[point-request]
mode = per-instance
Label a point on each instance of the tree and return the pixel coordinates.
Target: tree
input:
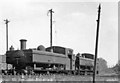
(116, 68)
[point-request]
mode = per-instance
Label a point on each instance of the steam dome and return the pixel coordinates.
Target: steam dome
(41, 48)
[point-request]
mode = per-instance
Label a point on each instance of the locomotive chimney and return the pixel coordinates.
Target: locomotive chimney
(23, 44)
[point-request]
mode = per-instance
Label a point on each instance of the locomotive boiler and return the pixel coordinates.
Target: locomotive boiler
(55, 59)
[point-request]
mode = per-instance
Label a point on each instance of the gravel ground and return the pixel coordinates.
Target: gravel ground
(57, 78)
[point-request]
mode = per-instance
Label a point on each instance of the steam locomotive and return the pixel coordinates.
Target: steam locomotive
(55, 59)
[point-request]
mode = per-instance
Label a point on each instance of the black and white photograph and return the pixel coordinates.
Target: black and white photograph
(59, 41)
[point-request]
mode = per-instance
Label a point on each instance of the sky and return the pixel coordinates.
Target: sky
(74, 25)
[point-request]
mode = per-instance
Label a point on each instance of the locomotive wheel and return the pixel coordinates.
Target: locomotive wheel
(29, 70)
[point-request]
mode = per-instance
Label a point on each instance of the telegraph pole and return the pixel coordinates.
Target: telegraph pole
(51, 12)
(96, 46)
(6, 22)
